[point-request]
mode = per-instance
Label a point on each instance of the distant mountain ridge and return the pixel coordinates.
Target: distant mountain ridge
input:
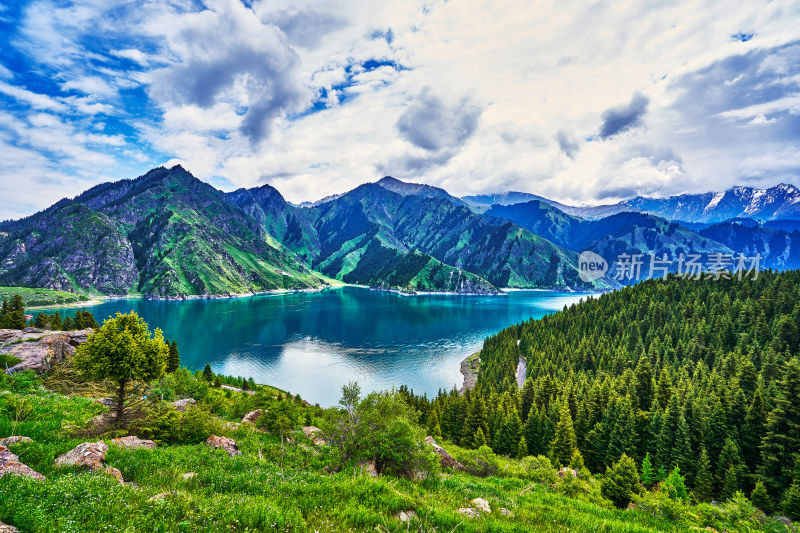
(167, 234)
(781, 202)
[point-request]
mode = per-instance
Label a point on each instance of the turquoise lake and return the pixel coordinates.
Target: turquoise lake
(313, 343)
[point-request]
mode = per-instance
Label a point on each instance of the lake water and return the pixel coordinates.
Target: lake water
(313, 343)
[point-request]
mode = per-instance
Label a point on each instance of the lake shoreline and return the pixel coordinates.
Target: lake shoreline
(470, 367)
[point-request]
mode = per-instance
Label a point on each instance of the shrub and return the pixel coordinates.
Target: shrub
(539, 469)
(621, 481)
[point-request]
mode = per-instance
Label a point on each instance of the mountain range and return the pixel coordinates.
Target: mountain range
(168, 234)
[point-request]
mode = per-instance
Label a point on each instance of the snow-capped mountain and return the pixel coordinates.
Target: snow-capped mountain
(781, 202)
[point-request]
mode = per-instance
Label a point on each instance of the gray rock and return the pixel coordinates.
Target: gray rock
(40, 350)
(5, 528)
(90, 456)
(132, 442)
(481, 505)
(11, 441)
(445, 458)
(229, 445)
(9, 464)
(405, 516)
(252, 416)
(469, 512)
(181, 405)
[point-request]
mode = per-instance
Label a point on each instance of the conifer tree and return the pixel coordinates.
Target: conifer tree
(703, 480)
(433, 428)
(479, 439)
(731, 483)
(174, 358)
(791, 501)
(15, 316)
(782, 437)
(729, 459)
(528, 396)
(621, 482)
(55, 322)
(753, 430)
(208, 374)
(648, 474)
(476, 419)
(760, 498)
(522, 448)
(564, 443)
(509, 435)
(41, 321)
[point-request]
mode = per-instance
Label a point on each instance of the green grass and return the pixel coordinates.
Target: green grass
(42, 297)
(268, 488)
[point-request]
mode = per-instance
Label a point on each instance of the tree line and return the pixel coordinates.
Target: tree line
(700, 378)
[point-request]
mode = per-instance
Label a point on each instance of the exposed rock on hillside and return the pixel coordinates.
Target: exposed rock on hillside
(40, 349)
(90, 456)
(9, 464)
(132, 442)
(229, 445)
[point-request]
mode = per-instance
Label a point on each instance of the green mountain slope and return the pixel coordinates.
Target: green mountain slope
(165, 234)
(346, 236)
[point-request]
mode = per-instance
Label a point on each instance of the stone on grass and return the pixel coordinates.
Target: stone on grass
(5, 528)
(90, 456)
(445, 458)
(189, 475)
(229, 445)
(405, 516)
(469, 512)
(505, 512)
(11, 441)
(132, 442)
(9, 464)
(314, 434)
(182, 405)
(252, 416)
(481, 505)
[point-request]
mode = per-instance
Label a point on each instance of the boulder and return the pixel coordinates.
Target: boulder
(38, 349)
(566, 471)
(445, 458)
(252, 416)
(368, 467)
(132, 442)
(5, 528)
(314, 434)
(182, 405)
(90, 456)
(229, 445)
(506, 512)
(108, 402)
(469, 512)
(189, 475)
(9, 464)
(481, 505)
(87, 455)
(11, 441)
(405, 516)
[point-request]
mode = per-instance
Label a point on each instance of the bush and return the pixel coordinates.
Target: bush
(539, 469)
(621, 482)
(381, 427)
(482, 462)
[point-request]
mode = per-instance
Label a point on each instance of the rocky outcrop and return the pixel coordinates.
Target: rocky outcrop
(11, 441)
(229, 445)
(5, 528)
(89, 456)
(314, 434)
(481, 505)
(252, 416)
(445, 458)
(182, 405)
(405, 516)
(9, 464)
(132, 442)
(39, 349)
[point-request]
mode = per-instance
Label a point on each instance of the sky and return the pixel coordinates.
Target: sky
(578, 101)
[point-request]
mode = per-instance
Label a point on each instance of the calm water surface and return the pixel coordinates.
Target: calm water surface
(313, 343)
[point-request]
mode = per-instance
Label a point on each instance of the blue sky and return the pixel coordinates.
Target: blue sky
(579, 101)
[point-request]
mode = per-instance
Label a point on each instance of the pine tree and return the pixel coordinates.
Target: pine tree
(729, 459)
(476, 419)
(782, 438)
(41, 321)
(479, 439)
(564, 444)
(15, 317)
(208, 374)
(522, 448)
(55, 322)
(675, 486)
(753, 430)
(730, 485)
(576, 461)
(791, 501)
(644, 384)
(621, 482)
(433, 428)
(760, 498)
(648, 474)
(174, 359)
(703, 481)
(528, 395)
(509, 435)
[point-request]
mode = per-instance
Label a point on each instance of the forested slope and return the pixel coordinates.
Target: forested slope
(702, 375)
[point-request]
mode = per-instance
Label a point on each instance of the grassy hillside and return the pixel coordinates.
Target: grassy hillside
(42, 297)
(275, 485)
